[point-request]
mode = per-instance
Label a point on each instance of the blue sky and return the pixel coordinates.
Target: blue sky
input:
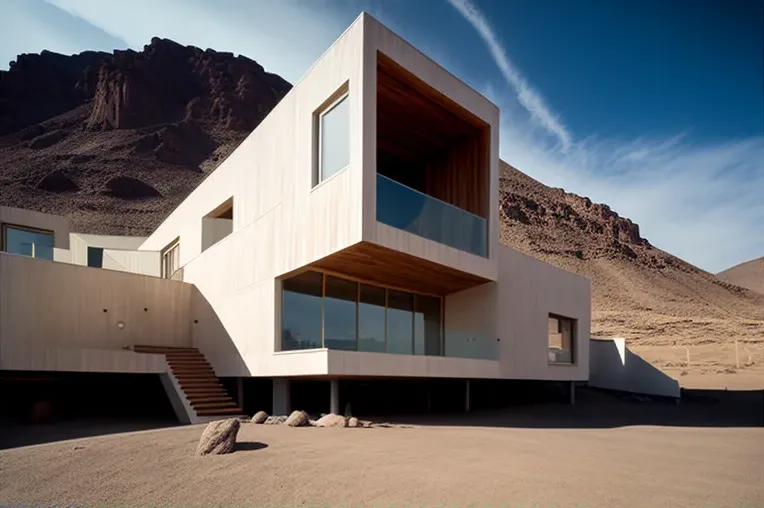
(655, 108)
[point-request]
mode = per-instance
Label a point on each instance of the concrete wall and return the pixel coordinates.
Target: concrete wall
(57, 224)
(143, 262)
(280, 221)
(44, 304)
(527, 292)
(615, 367)
(379, 38)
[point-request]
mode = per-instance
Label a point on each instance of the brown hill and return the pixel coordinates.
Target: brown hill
(116, 141)
(748, 275)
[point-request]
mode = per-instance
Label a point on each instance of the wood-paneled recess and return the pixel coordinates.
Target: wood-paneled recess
(428, 142)
(376, 264)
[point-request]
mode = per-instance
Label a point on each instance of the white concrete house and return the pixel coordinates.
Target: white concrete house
(353, 235)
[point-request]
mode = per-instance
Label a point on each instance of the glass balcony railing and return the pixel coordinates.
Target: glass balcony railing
(410, 210)
(466, 344)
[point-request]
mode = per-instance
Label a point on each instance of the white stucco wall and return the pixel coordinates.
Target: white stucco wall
(143, 262)
(615, 367)
(79, 243)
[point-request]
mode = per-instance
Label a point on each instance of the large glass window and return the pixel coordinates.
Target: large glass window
(561, 339)
(427, 325)
(301, 312)
(28, 242)
(371, 319)
(340, 313)
(400, 322)
(322, 310)
(334, 139)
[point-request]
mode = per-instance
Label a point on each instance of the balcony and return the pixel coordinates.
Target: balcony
(407, 209)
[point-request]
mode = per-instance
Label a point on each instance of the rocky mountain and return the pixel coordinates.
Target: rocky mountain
(117, 140)
(639, 291)
(748, 275)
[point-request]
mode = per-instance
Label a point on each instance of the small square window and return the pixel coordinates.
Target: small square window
(333, 139)
(562, 333)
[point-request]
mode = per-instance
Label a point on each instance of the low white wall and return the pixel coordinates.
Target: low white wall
(615, 367)
(44, 304)
(79, 243)
(143, 262)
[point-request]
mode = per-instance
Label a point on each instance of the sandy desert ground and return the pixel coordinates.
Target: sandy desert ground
(554, 455)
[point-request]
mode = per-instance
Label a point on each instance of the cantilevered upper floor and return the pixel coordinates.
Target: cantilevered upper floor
(378, 164)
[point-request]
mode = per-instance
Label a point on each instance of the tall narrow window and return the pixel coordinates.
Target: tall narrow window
(334, 139)
(561, 339)
(400, 322)
(371, 319)
(340, 318)
(301, 312)
(31, 242)
(171, 259)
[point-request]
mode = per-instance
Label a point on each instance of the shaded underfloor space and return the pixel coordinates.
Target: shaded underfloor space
(598, 409)
(39, 407)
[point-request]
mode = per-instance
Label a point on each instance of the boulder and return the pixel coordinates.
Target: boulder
(331, 420)
(353, 422)
(260, 417)
(297, 419)
(219, 437)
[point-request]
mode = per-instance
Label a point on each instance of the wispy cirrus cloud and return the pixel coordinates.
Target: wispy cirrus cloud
(526, 95)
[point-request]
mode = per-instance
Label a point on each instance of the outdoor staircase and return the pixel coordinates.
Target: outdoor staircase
(194, 377)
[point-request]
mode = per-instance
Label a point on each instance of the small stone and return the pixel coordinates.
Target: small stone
(331, 420)
(219, 437)
(275, 420)
(353, 422)
(260, 417)
(297, 419)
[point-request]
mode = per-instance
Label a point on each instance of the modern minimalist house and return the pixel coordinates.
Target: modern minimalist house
(352, 237)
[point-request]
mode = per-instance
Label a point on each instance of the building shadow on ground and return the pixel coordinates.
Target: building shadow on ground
(602, 409)
(14, 434)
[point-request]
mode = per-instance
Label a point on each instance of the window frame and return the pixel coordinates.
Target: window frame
(318, 174)
(360, 281)
(573, 339)
(175, 244)
(5, 226)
